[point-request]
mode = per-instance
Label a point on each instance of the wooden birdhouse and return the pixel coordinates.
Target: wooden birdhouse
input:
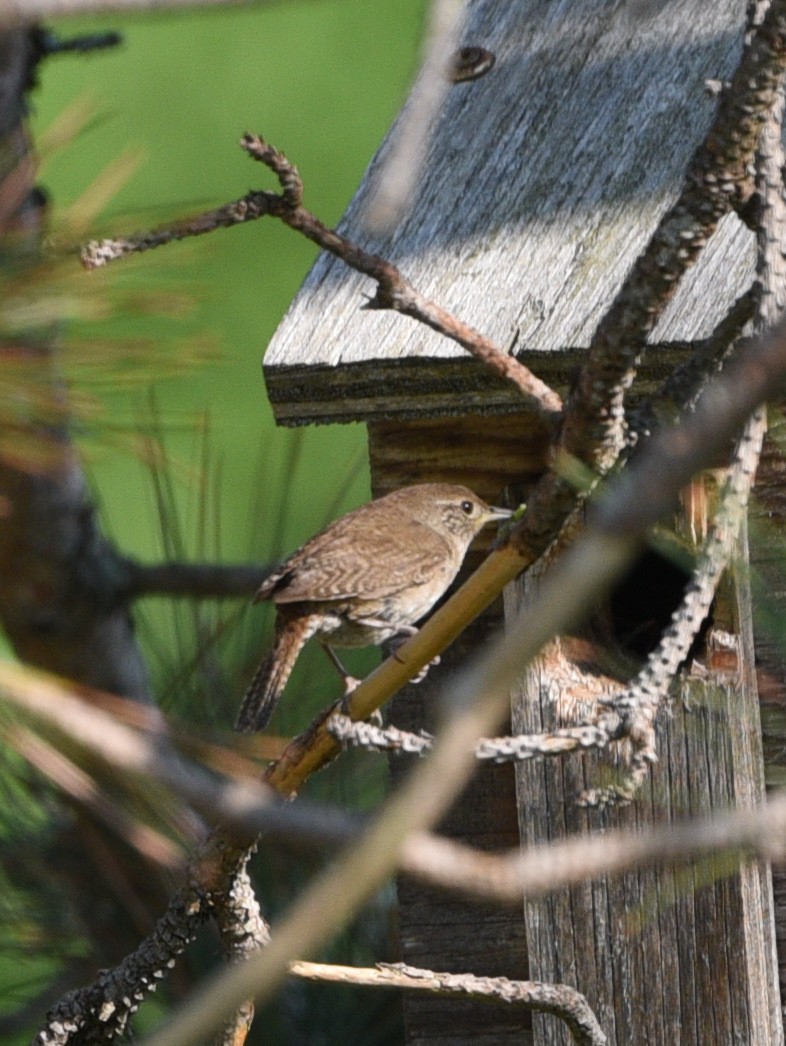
(542, 182)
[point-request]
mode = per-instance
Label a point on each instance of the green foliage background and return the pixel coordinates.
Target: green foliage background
(321, 80)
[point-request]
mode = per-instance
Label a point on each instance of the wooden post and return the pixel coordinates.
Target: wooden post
(543, 181)
(437, 932)
(768, 520)
(680, 957)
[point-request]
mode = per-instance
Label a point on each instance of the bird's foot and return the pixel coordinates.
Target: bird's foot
(424, 670)
(352, 684)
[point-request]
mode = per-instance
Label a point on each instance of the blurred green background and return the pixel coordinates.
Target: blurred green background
(322, 81)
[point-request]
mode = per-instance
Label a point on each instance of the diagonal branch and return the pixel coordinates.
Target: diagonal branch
(639, 497)
(105, 1006)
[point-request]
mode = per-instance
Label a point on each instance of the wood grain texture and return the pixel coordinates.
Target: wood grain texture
(545, 179)
(768, 567)
(665, 956)
(435, 930)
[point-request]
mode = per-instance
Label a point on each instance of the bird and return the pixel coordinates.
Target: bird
(366, 578)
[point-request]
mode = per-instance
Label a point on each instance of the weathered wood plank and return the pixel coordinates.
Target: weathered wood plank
(437, 931)
(768, 564)
(688, 955)
(544, 180)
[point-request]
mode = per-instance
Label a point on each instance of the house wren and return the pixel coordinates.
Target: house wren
(364, 579)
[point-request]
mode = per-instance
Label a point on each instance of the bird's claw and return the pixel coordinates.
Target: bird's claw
(425, 669)
(376, 716)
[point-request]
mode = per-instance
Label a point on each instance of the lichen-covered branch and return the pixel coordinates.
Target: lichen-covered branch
(100, 1012)
(594, 734)
(560, 1000)
(638, 705)
(243, 931)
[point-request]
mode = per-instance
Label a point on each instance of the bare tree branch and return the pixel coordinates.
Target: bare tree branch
(393, 290)
(450, 865)
(194, 580)
(400, 172)
(640, 496)
(558, 999)
(507, 878)
(24, 12)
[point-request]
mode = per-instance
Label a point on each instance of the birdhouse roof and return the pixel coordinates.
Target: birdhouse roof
(542, 182)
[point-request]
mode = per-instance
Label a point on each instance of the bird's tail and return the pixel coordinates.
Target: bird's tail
(271, 677)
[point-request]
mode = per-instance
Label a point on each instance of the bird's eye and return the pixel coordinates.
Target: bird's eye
(467, 507)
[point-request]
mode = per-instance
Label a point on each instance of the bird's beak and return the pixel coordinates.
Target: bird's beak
(495, 512)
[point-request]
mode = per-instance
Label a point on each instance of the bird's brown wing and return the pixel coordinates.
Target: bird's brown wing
(346, 561)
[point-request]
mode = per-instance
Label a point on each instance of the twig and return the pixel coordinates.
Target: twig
(400, 171)
(770, 284)
(580, 737)
(194, 580)
(558, 999)
(475, 702)
(23, 12)
(393, 290)
(361, 734)
(756, 833)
